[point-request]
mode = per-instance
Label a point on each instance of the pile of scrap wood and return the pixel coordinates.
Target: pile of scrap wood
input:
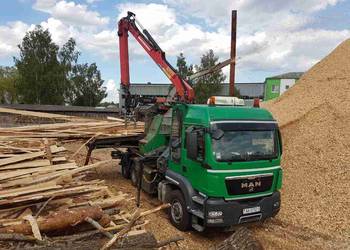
(71, 130)
(44, 195)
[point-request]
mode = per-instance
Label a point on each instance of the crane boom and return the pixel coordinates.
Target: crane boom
(129, 23)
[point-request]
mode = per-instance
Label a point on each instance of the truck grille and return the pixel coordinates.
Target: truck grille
(248, 184)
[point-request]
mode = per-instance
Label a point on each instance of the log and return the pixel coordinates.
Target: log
(173, 239)
(16, 237)
(57, 221)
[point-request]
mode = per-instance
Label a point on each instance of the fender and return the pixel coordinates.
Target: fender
(184, 185)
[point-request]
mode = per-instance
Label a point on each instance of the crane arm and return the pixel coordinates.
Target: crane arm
(128, 24)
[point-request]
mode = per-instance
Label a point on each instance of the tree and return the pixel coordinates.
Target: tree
(50, 75)
(41, 79)
(182, 68)
(211, 84)
(68, 57)
(8, 78)
(86, 85)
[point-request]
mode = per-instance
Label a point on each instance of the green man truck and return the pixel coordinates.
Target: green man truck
(217, 164)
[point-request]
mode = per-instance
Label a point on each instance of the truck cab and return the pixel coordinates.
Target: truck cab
(219, 165)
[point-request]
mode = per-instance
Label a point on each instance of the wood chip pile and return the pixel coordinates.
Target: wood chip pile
(315, 119)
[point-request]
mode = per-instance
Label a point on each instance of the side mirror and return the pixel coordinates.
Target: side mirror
(217, 134)
(192, 145)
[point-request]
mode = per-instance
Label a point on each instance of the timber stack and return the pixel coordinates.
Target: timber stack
(47, 200)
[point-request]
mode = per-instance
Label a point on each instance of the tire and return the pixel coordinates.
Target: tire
(126, 163)
(178, 214)
(134, 175)
(241, 239)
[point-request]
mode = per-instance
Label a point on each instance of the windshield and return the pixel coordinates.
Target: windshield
(245, 146)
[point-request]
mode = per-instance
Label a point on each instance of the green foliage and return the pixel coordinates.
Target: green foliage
(87, 87)
(208, 85)
(50, 75)
(41, 80)
(8, 78)
(182, 68)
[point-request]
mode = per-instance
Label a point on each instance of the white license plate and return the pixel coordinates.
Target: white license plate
(251, 210)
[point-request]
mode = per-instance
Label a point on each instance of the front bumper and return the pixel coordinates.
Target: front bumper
(232, 211)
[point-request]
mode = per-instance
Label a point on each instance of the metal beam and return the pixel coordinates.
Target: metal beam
(233, 52)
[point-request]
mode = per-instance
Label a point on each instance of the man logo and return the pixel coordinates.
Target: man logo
(251, 185)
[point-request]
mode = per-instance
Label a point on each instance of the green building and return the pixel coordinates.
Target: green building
(277, 85)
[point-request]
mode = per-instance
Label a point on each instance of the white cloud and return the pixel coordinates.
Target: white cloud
(10, 36)
(93, 1)
(112, 91)
(104, 43)
(60, 32)
(70, 12)
(272, 35)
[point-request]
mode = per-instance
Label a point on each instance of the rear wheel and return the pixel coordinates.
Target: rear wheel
(134, 175)
(125, 162)
(178, 214)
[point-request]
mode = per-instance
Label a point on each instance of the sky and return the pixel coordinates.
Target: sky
(273, 36)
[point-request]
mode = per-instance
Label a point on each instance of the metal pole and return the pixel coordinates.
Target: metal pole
(233, 52)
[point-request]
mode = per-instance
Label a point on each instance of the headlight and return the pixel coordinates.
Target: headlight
(214, 214)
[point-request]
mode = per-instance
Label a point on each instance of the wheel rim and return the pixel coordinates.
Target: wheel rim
(134, 177)
(176, 211)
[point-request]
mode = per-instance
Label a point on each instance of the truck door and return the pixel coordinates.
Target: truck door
(175, 163)
(194, 155)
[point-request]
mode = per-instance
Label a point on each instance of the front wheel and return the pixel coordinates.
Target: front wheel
(178, 214)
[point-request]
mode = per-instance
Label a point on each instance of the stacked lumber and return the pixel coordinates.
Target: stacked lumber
(44, 194)
(70, 130)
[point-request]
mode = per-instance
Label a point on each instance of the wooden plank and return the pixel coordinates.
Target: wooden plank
(55, 160)
(35, 228)
(20, 158)
(48, 150)
(13, 192)
(31, 179)
(47, 194)
(32, 113)
(28, 156)
(50, 168)
(27, 164)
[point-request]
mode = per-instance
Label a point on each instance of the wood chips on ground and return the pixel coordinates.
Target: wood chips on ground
(314, 116)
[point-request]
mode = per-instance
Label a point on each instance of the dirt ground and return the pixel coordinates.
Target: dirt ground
(277, 233)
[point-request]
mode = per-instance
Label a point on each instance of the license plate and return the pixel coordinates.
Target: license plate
(251, 210)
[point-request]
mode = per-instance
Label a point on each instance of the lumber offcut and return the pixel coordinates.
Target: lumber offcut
(60, 220)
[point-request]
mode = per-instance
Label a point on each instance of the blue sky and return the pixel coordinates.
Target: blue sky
(273, 36)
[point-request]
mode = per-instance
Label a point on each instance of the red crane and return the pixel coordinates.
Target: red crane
(184, 91)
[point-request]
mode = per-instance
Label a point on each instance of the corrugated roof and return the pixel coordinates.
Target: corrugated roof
(289, 75)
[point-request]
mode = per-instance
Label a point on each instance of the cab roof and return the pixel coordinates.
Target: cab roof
(204, 114)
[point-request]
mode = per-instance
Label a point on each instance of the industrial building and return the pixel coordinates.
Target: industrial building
(151, 90)
(277, 85)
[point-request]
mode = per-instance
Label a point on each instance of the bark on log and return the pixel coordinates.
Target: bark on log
(60, 220)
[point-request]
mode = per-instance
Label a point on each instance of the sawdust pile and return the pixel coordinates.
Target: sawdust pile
(315, 119)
